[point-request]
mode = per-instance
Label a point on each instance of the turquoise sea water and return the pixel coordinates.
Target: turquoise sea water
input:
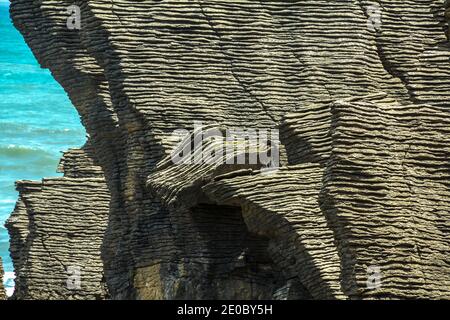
(37, 122)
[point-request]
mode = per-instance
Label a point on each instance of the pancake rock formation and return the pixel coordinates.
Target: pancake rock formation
(57, 231)
(2, 288)
(355, 96)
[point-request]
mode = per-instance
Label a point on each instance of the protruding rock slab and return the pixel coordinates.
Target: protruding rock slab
(137, 71)
(57, 230)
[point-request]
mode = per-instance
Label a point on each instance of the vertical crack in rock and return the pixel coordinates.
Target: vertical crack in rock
(381, 54)
(364, 134)
(232, 67)
(46, 244)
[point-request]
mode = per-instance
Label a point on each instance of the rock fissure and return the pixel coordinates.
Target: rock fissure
(360, 186)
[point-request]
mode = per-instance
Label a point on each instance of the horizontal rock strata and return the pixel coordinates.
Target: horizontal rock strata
(56, 253)
(373, 198)
(2, 288)
(359, 91)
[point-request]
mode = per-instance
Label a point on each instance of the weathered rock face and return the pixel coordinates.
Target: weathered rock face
(57, 230)
(2, 288)
(360, 92)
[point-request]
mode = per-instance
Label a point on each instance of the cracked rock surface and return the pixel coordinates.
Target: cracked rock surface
(57, 229)
(361, 104)
(2, 288)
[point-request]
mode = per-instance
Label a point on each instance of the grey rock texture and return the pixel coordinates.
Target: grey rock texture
(2, 288)
(361, 101)
(57, 230)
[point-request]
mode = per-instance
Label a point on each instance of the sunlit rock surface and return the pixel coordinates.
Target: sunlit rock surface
(2, 288)
(361, 100)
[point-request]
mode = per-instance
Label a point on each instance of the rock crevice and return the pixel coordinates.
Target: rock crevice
(362, 116)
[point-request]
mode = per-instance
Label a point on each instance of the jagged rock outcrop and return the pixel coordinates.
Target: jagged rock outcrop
(57, 230)
(360, 91)
(2, 288)
(367, 205)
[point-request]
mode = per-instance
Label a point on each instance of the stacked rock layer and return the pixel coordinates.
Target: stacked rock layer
(359, 91)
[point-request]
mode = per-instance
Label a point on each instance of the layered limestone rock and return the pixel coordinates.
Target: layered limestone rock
(380, 200)
(57, 230)
(2, 288)
(359, 91)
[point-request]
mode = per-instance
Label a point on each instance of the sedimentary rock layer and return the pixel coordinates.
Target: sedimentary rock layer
(360, 92)
(57, 230)
(2, 289)
(380, 198)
